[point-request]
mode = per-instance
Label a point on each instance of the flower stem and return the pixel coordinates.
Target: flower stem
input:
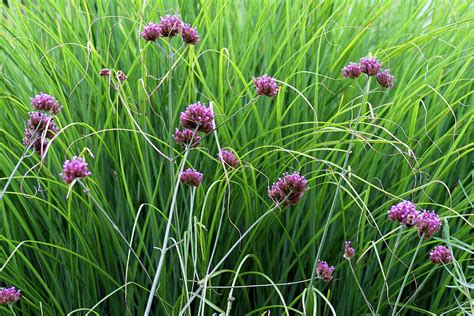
(170, 105)
(15, 169)
(360, 288)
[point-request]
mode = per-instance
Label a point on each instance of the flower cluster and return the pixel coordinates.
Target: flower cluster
(170, 26)
(40, 128)
(266, 86)
(73, 169)
(105, 72)
(191, 177)
(228, 158)
(324, 271)
(9, 295)
(404, 212)
(371, 66)
(349, 252)
(186, 136)
(289, 189)
(440, 254)
(428, 224)
(197, 116)
(121, 76)
(46, 103)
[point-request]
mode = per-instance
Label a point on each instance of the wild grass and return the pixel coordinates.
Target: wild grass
(412, 142)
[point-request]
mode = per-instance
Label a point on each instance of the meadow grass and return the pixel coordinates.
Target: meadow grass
(61, 245)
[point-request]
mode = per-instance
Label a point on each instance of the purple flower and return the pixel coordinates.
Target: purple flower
(228, 157)
(324, 271)
(76, 168)
(151, 32)
(185, 137)
(104, 72)
(45, 102)
(289, 189)
(121, 75)
(9, 295)
(190, 35)
(349, 252)
(170, 25)
(384, 78)
(197, 116)
(40, 128)
(191, 177)
(440, 254)
(428, 224)
(404, 212)
(266, 85)
(351, 71)
(369, 65)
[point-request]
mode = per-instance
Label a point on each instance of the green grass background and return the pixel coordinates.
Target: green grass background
(413, 142)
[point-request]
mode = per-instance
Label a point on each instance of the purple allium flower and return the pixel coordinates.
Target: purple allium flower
(266, 85)
(349, 252)
(385, 78)
(104, 72)
(228, 157)
(170, 25)
(197, 116)
(404, 212)
(191, 177)
(9, 295)
(185, 137)
(351, 71)
(121, 75)
(324, 271)
(369, 65)
(428, 224)
(440, 254)
(76, 168)
(45, 102)
(151, 32)
(190, 35)
(289, 189)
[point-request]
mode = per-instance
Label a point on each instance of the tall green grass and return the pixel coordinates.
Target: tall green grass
(413, 142)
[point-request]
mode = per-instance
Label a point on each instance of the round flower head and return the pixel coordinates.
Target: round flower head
(151, 32)
(349, 252)
(384, 78)
(351, 71)
(266, 85)
(170, 25)
(191, 177)
(197, 116)
(289, 189)
(186, 136)
(45, 102)
(440, 254)
(73, 169)
(9, 295)
(121, 75)
(428, 224)
(404, 212)
(369, 65)
(190, 35)
(104, 72)
(228, 157)
(324, 271)
(40, 128)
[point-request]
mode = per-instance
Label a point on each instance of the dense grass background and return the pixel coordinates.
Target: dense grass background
(413, 142)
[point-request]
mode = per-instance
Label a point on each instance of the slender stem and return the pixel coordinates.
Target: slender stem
(336, 194)
(11, 308)
(16, 169)
(170, 104)
(360, 288)
(406, 276)
(419, 288)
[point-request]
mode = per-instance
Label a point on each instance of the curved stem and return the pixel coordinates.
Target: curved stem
(360, 288)
(15, 169)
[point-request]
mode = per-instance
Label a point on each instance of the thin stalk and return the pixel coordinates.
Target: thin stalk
(170, 104)
(11, 308)
(360, 288)
(343, 172)
(419, 288)
(406, 276)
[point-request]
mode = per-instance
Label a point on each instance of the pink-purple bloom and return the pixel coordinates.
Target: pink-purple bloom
(191, 177)
(266, 85)
(170, 25)
(440, 254)
(228, 158)
(9, 295)
(289, 189)
(186, 136)
(369, 65)
(45, 102)
(404, 212)
(73, 169)
(105, 72)
(351, 71)
(428, 224)
(324, 271)
(349, 252)
(385, 78)
(121, 75)
(197, 116)
(151, 32)
(40, 128)
(190, 35)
